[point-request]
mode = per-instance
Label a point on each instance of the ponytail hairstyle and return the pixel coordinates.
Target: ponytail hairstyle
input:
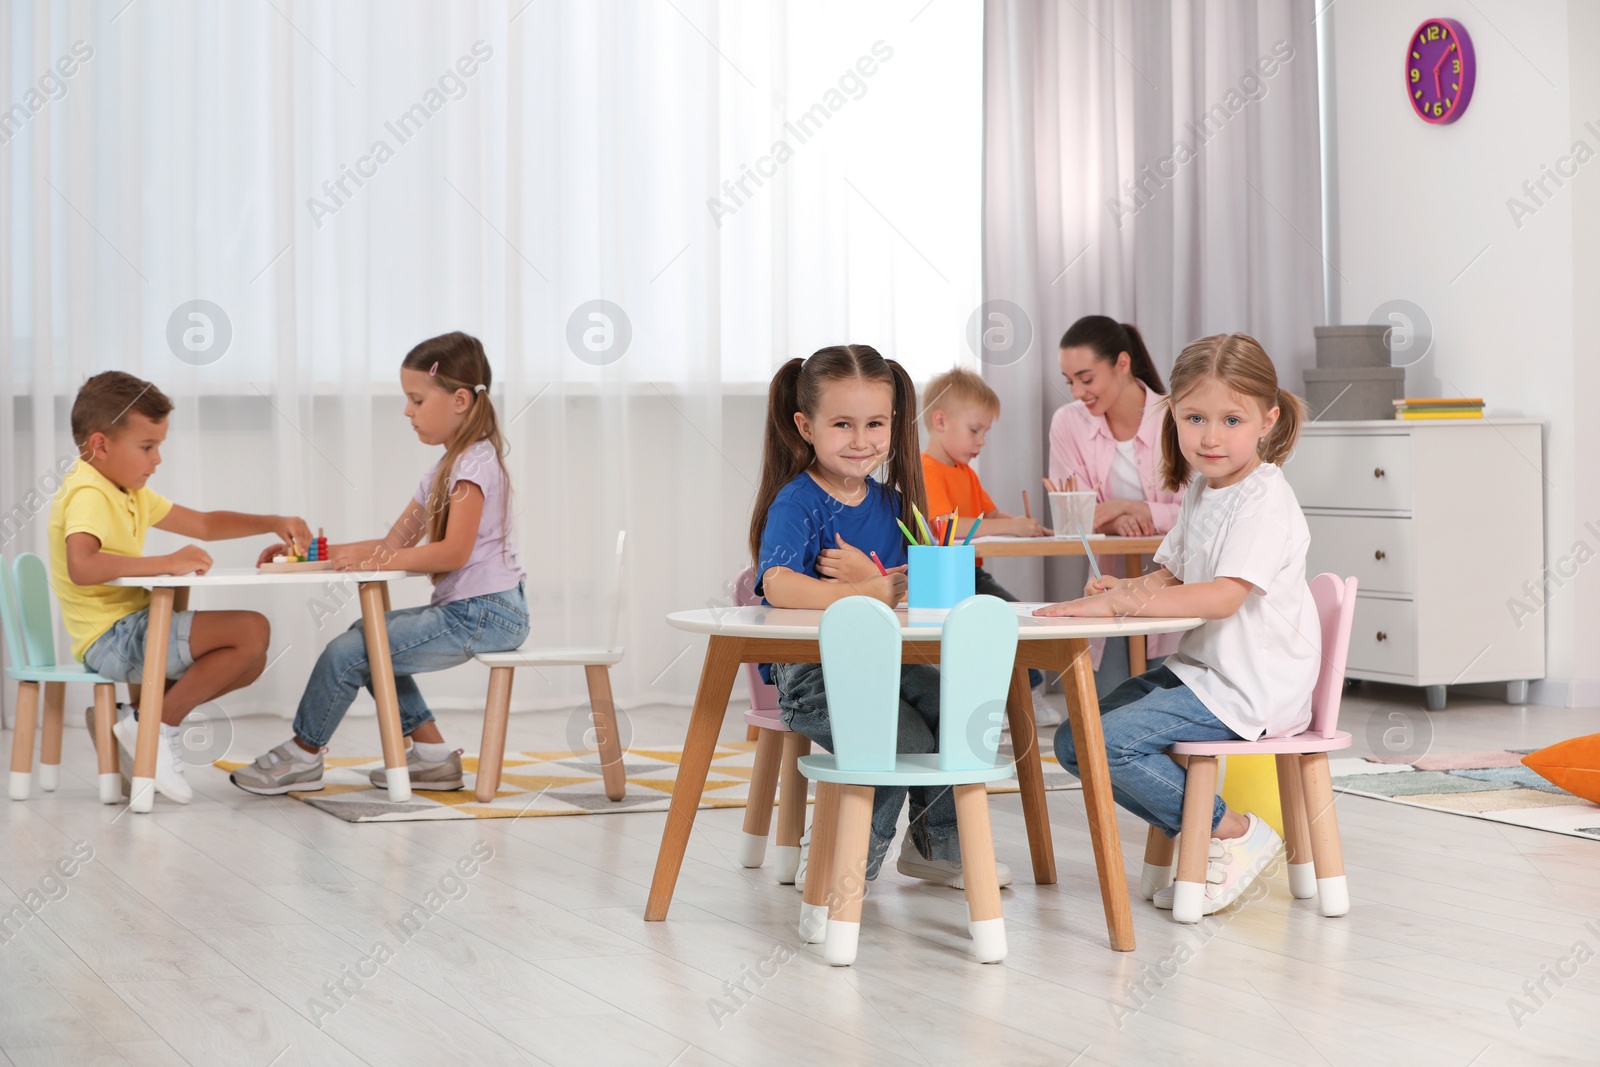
(798, 386)
(455, 361)
(1239, 362)
(1109, 338)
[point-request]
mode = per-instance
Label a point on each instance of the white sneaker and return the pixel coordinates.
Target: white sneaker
(1231, 865)
(805, 854)
(913, 864)
(170, 781)
(1045, 713)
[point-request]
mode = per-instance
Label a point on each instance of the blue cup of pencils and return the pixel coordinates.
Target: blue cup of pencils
(940, 576)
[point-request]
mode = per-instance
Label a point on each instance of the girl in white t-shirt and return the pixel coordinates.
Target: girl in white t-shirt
(1236, 558)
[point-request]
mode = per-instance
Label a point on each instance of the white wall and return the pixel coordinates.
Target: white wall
(1420, 213)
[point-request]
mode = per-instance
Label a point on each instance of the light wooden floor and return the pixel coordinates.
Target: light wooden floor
(219, 933)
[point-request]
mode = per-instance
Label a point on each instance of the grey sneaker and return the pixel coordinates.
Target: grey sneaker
(441, 777)
(278, 771)
(913, 864)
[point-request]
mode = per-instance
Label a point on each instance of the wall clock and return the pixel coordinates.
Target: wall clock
(1440, 71)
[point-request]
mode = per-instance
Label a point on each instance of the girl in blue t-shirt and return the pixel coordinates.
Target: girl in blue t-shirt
(832, 420)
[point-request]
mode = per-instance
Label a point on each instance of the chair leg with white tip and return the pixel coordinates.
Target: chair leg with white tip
(758, 807)
(978, 874)
(1194, 840)
(819, 869)
(55, 697)
(1158, 870)
(848, 881)
(791, 807)
(1296, 834)
(22, 739)
(105, 744)
(1333, 891)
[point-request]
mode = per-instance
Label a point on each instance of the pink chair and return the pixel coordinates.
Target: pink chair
(1311, 828)
(777, 751)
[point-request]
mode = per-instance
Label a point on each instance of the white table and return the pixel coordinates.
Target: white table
(171, 592)
(785, 635)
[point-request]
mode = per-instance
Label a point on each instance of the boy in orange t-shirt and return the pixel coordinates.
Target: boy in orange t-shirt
(959, 407)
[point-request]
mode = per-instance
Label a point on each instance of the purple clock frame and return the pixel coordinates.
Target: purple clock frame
(1438, 92)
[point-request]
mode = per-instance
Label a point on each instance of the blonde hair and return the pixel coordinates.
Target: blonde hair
(955, 390)
(1238, 361)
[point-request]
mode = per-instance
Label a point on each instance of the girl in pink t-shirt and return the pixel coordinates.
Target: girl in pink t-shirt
(463, 509)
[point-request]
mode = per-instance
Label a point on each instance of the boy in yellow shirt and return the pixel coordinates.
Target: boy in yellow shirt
(98, 522)
(959, 407)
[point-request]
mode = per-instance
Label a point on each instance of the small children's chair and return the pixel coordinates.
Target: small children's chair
(1311, 828)
(30, 642)
(777, 749)
(596, 664)
(859, 640)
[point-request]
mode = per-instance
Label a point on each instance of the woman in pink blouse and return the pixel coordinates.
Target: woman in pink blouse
(1110, 437)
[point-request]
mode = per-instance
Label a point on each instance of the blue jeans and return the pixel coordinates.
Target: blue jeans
(1140, 718)
(804, 706)
(118, 653)
(420, 639)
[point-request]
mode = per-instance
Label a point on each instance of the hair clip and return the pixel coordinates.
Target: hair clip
(480, 388)
(434, 369)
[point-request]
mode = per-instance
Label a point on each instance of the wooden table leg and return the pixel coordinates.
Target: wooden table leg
(1138, 661)
(381, 664)
(1030, 776)
(1083, 711)
(152, 693)
(710, 705)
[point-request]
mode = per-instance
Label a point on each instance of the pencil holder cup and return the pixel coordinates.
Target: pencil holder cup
(940, 577)
(1068, 510)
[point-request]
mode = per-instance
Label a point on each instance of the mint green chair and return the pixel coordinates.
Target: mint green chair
(30, 642)
(860, 644)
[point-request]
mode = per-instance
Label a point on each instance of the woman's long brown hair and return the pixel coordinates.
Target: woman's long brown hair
(798, 386)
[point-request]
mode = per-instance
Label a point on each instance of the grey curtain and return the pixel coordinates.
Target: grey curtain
(1154, 162)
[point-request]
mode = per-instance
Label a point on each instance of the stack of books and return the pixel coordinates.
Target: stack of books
(1439, 407)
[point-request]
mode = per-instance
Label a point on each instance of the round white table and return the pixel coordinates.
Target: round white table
(170, 592)
(786, 635)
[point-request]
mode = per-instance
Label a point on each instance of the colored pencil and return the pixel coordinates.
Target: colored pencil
(922, 524)
(968, 539)
(881, 569)
(909, 535)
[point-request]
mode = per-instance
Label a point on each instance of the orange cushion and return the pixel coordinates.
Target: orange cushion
(1573, 765)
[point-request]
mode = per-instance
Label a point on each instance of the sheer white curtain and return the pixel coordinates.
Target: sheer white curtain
(1157, 163)
(739, 183)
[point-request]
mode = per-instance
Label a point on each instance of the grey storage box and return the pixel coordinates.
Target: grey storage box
(1344, 394)
(1348, 347)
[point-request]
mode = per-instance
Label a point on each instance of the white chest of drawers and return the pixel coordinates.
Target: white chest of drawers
(1442, 524)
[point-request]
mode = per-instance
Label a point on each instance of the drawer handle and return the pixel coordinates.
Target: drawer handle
(1378, 555)
(1382, 636)
(1377, 472)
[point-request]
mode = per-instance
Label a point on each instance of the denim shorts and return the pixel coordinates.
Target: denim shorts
(118, 653)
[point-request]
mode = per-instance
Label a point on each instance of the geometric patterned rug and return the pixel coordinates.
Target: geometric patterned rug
(1484, 785)
(562, 783)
